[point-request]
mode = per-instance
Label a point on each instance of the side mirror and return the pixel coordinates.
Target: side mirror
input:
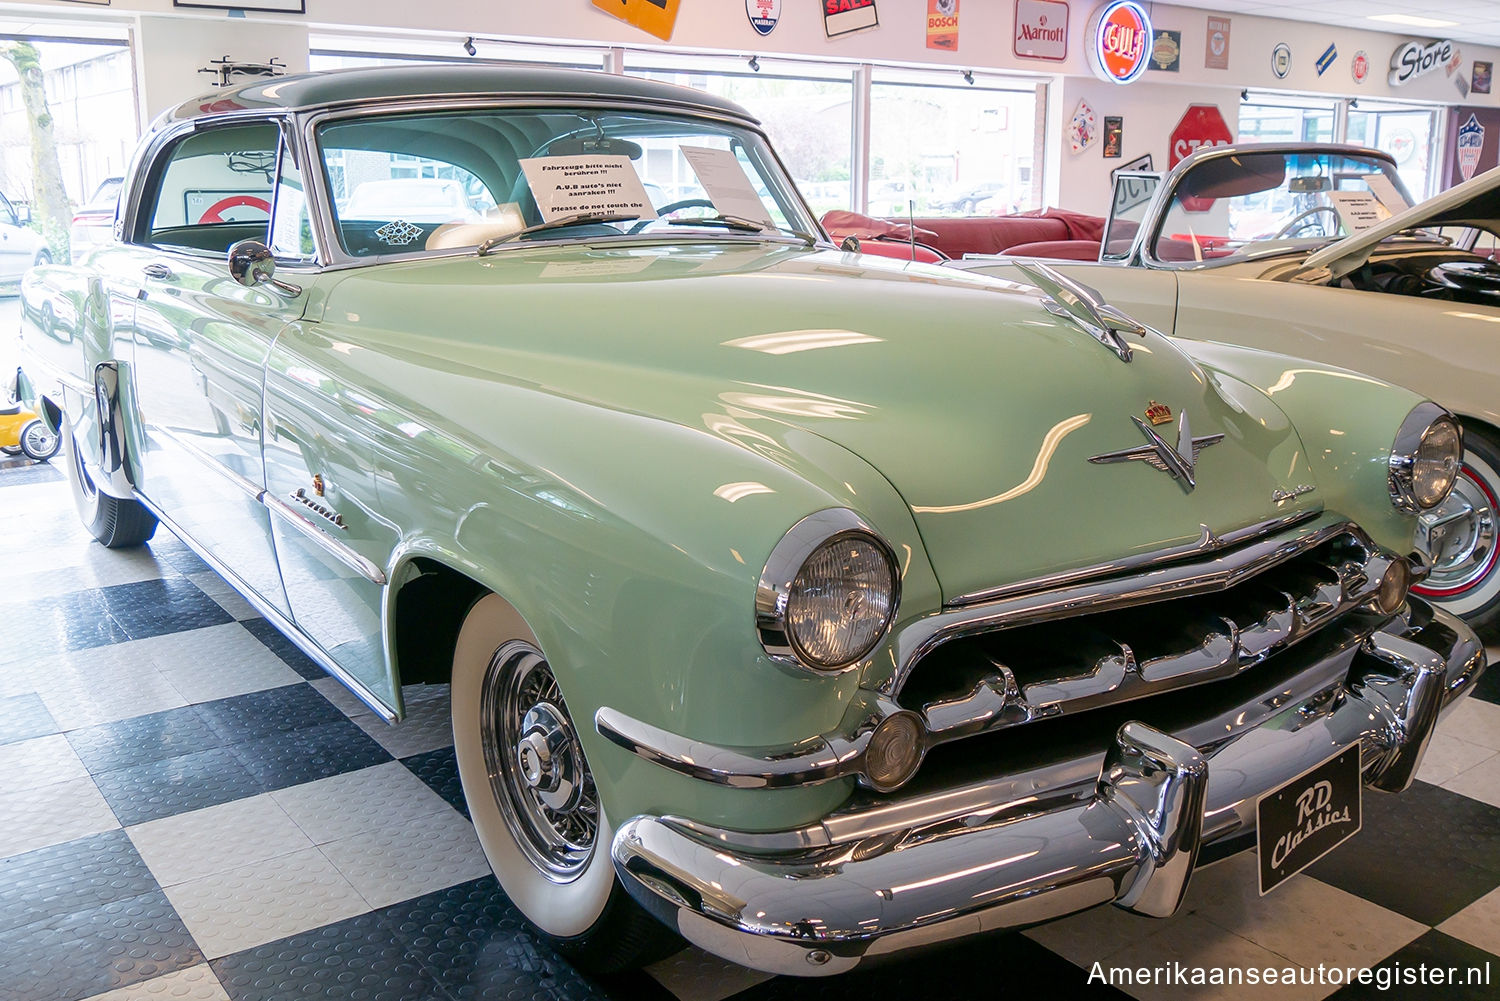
(23, 214)
(251, 264)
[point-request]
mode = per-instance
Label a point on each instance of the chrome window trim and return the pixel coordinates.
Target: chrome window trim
(786, 560)
(1409, 438)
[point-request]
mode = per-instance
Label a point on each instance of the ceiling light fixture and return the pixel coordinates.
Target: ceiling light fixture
(755, 63)
(1412, 20)
(969, 77)
(469, 46)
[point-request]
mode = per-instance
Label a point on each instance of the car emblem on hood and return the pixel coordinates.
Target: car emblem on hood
(1180, 462)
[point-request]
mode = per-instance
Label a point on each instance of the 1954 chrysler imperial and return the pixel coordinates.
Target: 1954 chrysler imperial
(807, 605)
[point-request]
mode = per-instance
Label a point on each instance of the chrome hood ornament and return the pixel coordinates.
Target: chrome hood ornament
(1181, 462)
(1085, 307)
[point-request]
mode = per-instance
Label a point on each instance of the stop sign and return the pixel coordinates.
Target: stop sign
(1201, 125)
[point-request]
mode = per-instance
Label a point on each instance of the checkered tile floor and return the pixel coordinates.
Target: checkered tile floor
(190, 810)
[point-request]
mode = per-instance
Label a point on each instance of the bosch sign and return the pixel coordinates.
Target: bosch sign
(1415, 59)
(1119, 41)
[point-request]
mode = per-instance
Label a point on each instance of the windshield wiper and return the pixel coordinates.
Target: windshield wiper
(744, 225)
(580, 219)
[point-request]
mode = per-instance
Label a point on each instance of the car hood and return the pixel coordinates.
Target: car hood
(980, 407)
(1475, 201)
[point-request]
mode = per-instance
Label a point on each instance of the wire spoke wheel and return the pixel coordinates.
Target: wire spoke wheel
(535, 763)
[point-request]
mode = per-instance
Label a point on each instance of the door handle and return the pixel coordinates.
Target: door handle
(158, 271)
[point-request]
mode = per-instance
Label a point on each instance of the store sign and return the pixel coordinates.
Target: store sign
(1359, 67)
(1415, 59)
(1281, 60)
(1470, 145)
(763, 14)
(843, 16)
(942, 25)
(1041, 29)
(1119, 41)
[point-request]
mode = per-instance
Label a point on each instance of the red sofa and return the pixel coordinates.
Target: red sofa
(1052, 233)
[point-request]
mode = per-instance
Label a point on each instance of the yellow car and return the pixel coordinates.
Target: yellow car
(22, 431)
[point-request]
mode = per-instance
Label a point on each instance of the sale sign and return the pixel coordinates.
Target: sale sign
(942, 25)
(843, 16)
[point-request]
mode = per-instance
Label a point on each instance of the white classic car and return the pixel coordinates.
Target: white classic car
(1280, 247)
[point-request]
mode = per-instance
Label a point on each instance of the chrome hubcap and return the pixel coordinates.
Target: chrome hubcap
(39, 440)
(536, 766)
(1461, 536)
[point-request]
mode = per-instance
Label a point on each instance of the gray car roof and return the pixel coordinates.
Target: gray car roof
(337, 88)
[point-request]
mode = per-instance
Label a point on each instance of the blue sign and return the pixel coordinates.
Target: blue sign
(1470, 145)
(763, 14)
(1326, 59)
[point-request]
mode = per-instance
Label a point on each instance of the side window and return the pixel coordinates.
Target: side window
(291, 229)
(215, 189)
(7, 213)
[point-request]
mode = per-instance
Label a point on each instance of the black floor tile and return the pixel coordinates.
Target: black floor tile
(284, 648)
(353, 960)
(249, 717)
(36, 472)
(1487, 687)
(1448, 847)
(88, 952)
(51, 882)
(309, 754)
(439, 769)
(172, 551)
(1433, 951)
(76, 621)
(23, 717)
(475, 943)
(143, 739)
(156, 607)
(176, 785)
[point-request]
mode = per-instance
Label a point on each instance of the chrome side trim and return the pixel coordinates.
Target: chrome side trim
(283, 624)
(333, 547)
(245, 485)
(1208, 542)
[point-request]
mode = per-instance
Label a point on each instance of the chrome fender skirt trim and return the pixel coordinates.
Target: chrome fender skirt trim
(1133, 841)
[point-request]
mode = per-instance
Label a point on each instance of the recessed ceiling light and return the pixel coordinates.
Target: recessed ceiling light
(1413, 20)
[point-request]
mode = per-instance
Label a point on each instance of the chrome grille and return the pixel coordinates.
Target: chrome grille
(1178, 628)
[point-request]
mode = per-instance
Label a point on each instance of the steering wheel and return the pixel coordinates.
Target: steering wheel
(669, 208)
(1301, 217)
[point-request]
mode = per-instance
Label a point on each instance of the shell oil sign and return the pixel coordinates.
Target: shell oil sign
(1118, 41)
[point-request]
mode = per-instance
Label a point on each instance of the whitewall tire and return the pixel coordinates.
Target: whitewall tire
(1465, 578)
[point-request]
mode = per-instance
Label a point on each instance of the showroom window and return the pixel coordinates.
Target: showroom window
(1311, 120)
(952, 150)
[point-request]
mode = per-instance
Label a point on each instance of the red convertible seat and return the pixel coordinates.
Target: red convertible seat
(1058, 250)
(900, 249)
(999, 234)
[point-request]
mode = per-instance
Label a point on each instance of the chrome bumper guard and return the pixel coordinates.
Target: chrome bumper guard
(955, 869)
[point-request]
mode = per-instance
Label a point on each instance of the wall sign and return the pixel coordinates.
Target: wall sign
(1118, 41)
(942, 25)
(1201, 125)
(1216, 50)
(1483, 73)
(1114, 136)
(763, 14)
(1166, 50)
(1041, 29)
(1469, 146)
(655, 17)
(843, 16)
(1359, 67)
(1414, 59)
(1327, 58)
(1281, 60)
(270, 6)
(1083, 129)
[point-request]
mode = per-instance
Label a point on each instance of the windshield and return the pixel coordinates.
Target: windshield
(1231, 208)
(439, 181)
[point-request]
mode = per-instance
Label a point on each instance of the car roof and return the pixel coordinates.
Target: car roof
(388, 84)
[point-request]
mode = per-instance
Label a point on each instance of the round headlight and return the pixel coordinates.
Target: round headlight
(1425, 458)
(828, 593)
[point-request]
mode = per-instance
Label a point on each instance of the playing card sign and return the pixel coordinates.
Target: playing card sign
(1083, 129)
(1470, 145)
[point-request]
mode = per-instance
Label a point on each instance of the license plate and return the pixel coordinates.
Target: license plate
(1308, 817)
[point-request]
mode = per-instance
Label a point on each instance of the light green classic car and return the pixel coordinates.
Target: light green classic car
(807, 605)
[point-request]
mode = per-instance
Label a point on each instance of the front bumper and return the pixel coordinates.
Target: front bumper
(1124, 826)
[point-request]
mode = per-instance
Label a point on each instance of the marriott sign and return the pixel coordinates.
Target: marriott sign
(1041, 29)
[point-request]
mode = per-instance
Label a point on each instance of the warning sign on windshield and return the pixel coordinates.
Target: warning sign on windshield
(586, 185)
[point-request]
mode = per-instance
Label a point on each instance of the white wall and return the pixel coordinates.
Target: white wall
(171, 50)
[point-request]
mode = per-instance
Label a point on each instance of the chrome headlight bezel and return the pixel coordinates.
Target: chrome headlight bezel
(1415, 431)
(785, 564)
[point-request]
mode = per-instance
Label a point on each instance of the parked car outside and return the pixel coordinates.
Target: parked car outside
(94, 222)
(1254, 245)
(415, 199)
(777, 616)
(20, 246)
(966, 199)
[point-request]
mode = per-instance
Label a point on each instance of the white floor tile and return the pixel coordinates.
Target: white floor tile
(1448, 756)
(342, 806)
(1474, 721)
(28, 764)
(1478, 924)
(217, 662)
(1482, 782)
(225, 596)
(389, 863)
(695, 975)
(217, 839)
(427, 726)
(196, 983)
(51, 814)
(109, 683)
(348, 703)
(1202, 944)
(263, 902)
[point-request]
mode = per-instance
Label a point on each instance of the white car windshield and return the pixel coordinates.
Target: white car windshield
(1230, 208)
(439, 181)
